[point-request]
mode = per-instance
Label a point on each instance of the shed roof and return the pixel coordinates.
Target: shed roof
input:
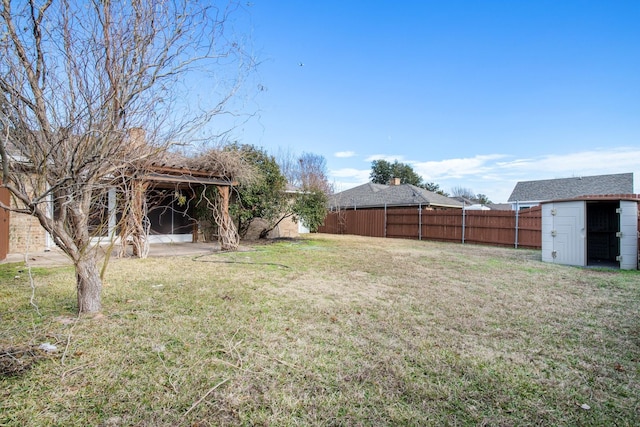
(567, 188)
(599, 198)
(371, 195)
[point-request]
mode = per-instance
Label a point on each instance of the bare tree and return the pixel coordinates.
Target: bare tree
(312, 171)
(288, 162)
(467, 193)
(75, 77)
(306, 172)
(308, 175)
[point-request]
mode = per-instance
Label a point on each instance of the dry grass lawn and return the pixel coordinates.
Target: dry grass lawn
(327, 330)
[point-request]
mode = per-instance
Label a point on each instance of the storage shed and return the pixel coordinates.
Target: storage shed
(592, 231)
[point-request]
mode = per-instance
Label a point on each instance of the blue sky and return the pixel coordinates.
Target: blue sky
(473, 94)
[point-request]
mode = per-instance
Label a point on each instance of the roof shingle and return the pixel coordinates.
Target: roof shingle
(371, 195)
(567, 188)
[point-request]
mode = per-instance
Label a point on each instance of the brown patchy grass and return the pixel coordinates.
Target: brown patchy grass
(330, 330)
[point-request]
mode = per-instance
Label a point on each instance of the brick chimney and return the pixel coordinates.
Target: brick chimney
(394, 181)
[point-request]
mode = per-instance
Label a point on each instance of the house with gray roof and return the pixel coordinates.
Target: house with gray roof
(370, 195)
(527, 194)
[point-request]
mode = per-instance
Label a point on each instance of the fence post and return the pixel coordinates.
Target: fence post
(385, 220)
(464, 215)
(517, 218)
(420, 221)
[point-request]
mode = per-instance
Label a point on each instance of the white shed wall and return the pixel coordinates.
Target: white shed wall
(629, 235)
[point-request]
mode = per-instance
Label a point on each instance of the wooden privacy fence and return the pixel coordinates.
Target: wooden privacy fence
(501, 228)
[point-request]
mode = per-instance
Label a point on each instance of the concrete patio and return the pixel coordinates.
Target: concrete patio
(56, 257)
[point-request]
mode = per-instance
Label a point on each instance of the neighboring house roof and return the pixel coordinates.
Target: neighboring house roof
(500, 206)
(566, 188)
(477, 207)
(292, 189)
(465, 200)
(371, 195)
(471, 204)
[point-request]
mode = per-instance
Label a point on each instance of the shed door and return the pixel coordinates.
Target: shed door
(628, 235)
(564, 236)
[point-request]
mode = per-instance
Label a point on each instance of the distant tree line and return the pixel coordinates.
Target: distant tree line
(382, 172)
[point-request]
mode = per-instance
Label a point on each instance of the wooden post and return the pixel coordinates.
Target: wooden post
(464, 221)
(385, 220)
(420, 221)
(224, 193)
(194, 232)
(138, 214)
(227, 232)
(517, 218)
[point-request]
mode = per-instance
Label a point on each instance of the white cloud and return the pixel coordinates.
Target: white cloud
(592, 162)
(387, 157)
(346, 178)
(339, 186)
(456, 168)
(345, 154)
(356, 174)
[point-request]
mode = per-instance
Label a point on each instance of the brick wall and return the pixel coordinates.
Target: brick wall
(25, 233)
(287, 228)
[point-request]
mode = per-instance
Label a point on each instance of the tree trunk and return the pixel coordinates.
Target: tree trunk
(89, 284)
(229, 238)
(265, 232)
